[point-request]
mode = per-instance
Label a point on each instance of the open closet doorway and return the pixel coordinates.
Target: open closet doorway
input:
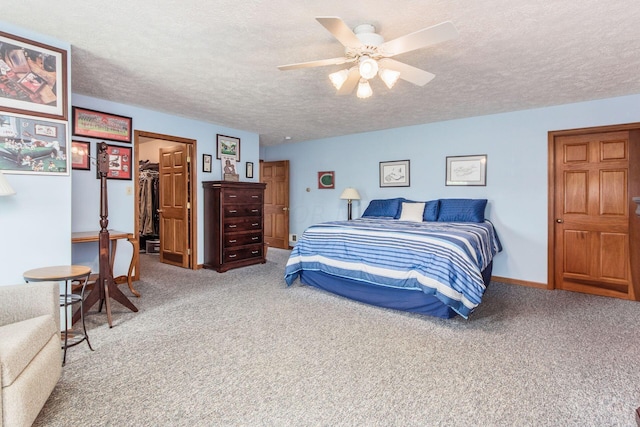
(165, 208)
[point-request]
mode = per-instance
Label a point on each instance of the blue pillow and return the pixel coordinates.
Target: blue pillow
(384, 207)
(431, 209)
(462, 210)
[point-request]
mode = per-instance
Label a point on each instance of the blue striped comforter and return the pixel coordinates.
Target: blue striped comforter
(439, 258)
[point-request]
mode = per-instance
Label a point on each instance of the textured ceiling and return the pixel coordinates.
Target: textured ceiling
(216, 60)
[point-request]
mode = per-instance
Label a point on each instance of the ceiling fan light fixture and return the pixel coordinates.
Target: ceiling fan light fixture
(389, 77)
(364, 89)
(338, 78)
(368, 67)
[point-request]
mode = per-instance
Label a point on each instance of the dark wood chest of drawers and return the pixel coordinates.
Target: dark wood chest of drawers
(233, 224)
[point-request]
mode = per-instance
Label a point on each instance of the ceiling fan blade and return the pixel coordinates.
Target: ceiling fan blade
(351, 82)
(419, 39)
(407, 72)
(318, 63)
(340, 30)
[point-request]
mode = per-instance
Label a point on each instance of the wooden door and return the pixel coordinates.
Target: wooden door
(174, 205)
(276, 203)
(591, 213)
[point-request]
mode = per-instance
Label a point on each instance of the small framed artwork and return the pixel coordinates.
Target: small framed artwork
(467, 170)
(394, 173)
(326, 180)
(95, 124)
(249, 170)
(33, 78)
(33, 145)
(80, 155)
(119, 162)
(206, 162)
(228, 146)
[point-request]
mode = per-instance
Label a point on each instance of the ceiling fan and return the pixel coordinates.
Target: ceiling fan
(371, 55)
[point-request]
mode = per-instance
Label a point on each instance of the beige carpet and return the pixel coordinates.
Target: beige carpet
(241, 349)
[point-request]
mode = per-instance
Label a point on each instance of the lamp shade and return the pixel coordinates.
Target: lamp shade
(5, 187)
(364, 89)
(350, 194)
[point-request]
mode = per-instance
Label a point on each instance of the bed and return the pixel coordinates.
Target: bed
(433, 258)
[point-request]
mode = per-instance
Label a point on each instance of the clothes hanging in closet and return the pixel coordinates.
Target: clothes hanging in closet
(149, 200)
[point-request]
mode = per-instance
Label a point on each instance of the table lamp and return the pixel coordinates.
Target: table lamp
(349, 194)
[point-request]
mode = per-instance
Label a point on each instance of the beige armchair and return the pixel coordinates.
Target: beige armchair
(30, 354)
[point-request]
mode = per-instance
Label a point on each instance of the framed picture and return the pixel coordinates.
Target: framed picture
(206, 162)
(249, 170)
(326, 180)
(394, 173)
(119, 162)
(229, 146)
(33, 78)
(23, 149)
(467, 170)
(80, 155)
(95, 124)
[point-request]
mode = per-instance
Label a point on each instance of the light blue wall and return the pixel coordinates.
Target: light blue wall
(516, 146)
(86, 188)
(35, 223)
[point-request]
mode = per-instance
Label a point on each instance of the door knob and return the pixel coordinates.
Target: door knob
(285, 209)
(559, 221)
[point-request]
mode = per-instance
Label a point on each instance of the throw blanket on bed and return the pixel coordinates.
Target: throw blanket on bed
(439, 258)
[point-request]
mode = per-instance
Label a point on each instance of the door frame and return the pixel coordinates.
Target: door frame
(193, 255)
(633, 186)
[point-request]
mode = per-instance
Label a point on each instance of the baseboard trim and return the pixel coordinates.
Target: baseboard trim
(519, 282)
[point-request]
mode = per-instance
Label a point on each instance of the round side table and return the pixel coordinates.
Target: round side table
(66, 273)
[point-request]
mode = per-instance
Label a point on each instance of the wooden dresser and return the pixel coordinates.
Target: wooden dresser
(233, 224)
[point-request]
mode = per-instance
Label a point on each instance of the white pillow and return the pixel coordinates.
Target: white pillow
(412, 212)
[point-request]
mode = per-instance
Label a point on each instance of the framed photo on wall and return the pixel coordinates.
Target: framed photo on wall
(394, 173)
(249, 170)
(206, 162)
(95, 124)
(227, 145)
(25, 150)
(80, 155)
(119, 162)
(467, 170)
(33, 78)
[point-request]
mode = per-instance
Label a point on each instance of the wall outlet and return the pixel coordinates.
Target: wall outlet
(293, 237)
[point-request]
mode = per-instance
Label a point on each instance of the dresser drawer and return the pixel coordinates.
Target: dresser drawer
(241, 239)
(242, 224)
(231, 211)
(243, 196)
(231, 255)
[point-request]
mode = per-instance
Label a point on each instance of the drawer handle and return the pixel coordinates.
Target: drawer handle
(233, 211)
(254, 238)
(232, 226)
(232, 241)
(233, 256)
(255, 224)
(255, 252)
(254, 197)
(232, 196)
(255, 210)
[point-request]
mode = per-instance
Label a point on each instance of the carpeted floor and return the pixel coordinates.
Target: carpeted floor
(241, 349)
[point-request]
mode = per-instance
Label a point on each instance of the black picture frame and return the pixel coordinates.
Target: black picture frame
(80, 155)
(100, 125)
(207, 161)
(120, 163)
(227, 145)
(249, 170)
